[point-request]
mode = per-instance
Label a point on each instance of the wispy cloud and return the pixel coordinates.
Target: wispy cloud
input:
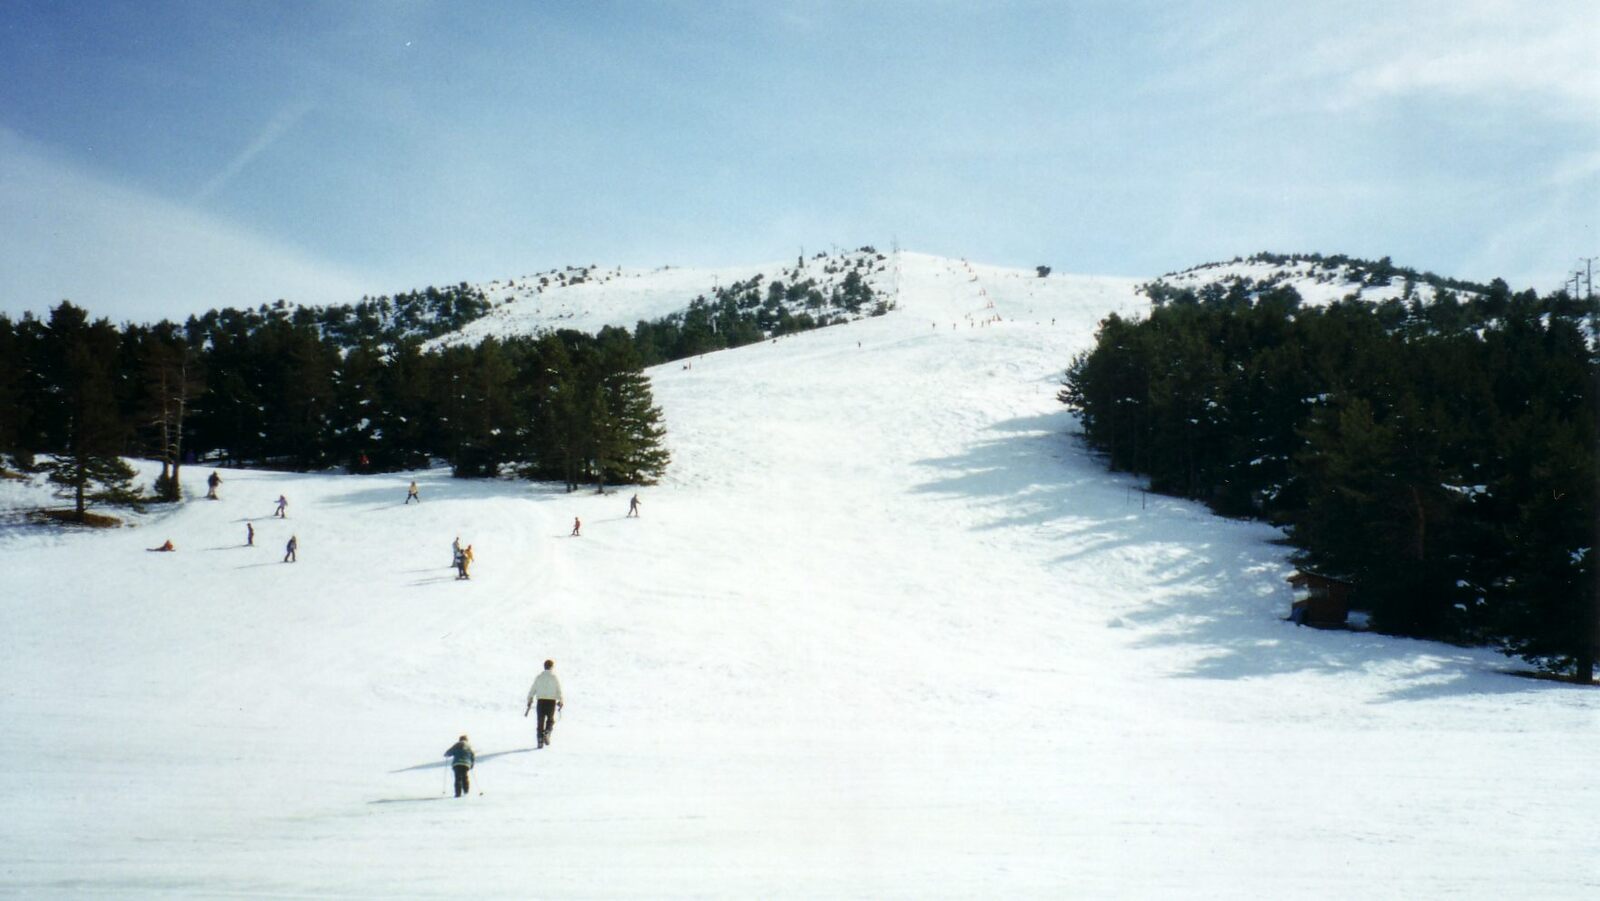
(1534, 54)
(1347, 55)
(131, 255)
(280, 125)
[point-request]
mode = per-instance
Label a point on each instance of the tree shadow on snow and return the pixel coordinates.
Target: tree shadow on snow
(434, 764)
(1221, 581)
(388, 490)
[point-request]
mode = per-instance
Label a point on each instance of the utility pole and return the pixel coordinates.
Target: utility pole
(1588, 275)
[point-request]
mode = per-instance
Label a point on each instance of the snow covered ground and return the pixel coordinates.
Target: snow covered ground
(597, 297)
(1318, 284)
(885, 631)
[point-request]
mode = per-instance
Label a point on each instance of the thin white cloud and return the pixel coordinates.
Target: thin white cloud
(130, 255)
(1350, 54)
(276, 128)
(1527, 53)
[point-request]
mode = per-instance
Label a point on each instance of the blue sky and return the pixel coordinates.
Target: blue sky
(160, 158)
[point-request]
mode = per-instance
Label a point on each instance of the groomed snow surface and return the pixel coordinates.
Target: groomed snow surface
(885, 631)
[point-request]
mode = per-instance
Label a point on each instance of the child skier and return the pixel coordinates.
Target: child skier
(411, 494)
(461, 760)
(283, 504)
(290, 548)
(577, 527)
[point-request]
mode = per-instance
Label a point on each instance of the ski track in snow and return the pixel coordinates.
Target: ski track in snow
(886, 630)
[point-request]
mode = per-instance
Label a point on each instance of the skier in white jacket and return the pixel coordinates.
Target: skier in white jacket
(546, 691)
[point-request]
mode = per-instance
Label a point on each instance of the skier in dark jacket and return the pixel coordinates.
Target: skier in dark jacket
(633, 507)
(212, 481)
(290, 548)
(249, 534)
(461, 760)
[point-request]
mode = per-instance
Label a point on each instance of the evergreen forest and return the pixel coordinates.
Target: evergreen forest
(1439, 456)
(358, 386)
(305, 388)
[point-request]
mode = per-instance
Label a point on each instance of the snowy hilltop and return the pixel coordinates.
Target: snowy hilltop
(589, 298)
(1318, 279)
(883, 629)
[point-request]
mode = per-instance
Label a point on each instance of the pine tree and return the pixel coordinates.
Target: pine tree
(14, 423)
(79, 357)
(628, 445)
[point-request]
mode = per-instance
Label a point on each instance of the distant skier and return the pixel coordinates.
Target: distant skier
(455, 552)
(546, 691)
(577, 527)
(165, 546)
(464, 563)
(411, 494)
(283, 504)
(249, 534)
(633, 507)
(290, 548)
(212, 482)
(461, 760)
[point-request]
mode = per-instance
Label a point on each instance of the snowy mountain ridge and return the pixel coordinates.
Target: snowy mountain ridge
(1319, 279)
(588, 298)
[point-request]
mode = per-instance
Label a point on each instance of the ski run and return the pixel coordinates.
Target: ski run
(885, 630)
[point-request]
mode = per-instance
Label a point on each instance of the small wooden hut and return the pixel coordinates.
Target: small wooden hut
(1319, 600)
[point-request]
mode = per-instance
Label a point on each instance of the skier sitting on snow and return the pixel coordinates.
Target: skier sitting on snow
(546, 691)
(461, 760)
(167, 546)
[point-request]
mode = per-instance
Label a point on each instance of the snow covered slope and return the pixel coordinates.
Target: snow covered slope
(885, 631)
(1318, 281)
(589, 298)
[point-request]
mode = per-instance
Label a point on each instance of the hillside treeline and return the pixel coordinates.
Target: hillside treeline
(745, 312)
(1440, 456)
(285, 387)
